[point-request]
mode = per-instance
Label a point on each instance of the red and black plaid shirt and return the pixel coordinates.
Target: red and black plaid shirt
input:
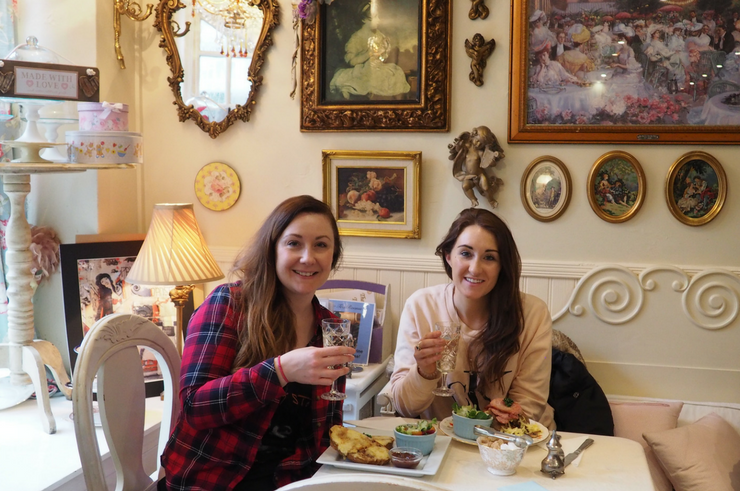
(224, 416)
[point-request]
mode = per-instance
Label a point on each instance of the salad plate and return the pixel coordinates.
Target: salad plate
(447, 429)
(428, 466)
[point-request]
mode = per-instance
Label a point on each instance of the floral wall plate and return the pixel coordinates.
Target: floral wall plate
(217, 186)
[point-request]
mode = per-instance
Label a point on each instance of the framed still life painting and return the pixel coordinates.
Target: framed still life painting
(94, 285)
(624, 72)
(374, 193)
(696, 188)
(546, 188)
(381, 65)
(616, 187)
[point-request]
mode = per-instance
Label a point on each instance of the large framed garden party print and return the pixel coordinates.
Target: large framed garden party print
(626, 72)
(381, 65)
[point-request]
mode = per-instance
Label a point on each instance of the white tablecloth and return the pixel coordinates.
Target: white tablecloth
(610, 464)
(572, 98)
(715, 113)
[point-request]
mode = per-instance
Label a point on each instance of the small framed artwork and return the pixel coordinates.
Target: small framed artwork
(380, 65)
(374, 194)
(616, 187)
(546, 188)
(94, 285)
(696, 188)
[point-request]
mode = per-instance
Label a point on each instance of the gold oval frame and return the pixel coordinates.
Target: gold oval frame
(164, 24)
(564, 196)
(594, 174)
(721, 185)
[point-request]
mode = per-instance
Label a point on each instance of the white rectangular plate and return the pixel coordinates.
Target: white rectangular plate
(428, 466)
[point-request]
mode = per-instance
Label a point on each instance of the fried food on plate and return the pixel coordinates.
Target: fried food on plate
(522, 426)
(360, 448)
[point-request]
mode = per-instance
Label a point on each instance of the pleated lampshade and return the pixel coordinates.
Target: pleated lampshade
(174, 250)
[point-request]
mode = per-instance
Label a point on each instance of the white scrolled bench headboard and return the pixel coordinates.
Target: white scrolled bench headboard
(661, 331)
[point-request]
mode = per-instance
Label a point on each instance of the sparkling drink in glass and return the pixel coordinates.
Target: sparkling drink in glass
(336, 332)
(446, 364)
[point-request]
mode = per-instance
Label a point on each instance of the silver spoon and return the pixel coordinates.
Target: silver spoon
(523, 441)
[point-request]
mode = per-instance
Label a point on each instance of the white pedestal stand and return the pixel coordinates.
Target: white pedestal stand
(27, 356)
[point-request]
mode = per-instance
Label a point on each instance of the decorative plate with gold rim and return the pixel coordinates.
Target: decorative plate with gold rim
(217, 186)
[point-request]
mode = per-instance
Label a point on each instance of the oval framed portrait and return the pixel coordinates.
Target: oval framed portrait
(616, 187)
(696, 188)
(546, 188)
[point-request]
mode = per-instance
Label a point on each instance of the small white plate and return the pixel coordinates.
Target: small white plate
(428, 466)
(446, 427)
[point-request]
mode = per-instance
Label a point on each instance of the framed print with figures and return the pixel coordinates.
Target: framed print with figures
(546, 188)
(616, 187)
(696, 188)
(624, 72)
(374, 193)
(381, 65)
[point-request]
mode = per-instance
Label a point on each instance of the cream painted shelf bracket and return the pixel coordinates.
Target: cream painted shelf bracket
(133, 11)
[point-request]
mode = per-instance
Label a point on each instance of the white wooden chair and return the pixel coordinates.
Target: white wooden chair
(110, 351)
(360, 482)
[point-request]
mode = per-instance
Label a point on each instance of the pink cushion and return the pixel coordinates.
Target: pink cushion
(702, 456)
(632, 419)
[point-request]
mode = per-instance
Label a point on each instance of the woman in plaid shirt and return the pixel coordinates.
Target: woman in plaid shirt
(253, 365)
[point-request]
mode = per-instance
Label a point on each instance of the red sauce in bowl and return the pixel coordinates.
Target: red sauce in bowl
(405, 460)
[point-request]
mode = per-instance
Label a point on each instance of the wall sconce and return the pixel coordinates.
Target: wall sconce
(133, 11)
(174, 252)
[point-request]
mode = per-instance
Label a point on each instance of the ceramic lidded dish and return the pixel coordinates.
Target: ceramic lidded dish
(105, 147)
(501, 457)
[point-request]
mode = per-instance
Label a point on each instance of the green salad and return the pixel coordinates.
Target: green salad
(469, 412)
(423, 427)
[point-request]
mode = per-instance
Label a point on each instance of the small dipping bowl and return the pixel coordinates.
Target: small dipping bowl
(500, 461)
(405, 457)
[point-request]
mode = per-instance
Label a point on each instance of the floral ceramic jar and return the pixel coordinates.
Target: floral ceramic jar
(103, 116)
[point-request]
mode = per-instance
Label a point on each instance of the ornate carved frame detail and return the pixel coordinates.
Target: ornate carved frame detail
(431, 112)
(169, 30)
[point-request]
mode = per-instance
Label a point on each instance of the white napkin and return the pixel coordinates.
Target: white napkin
(571, 445)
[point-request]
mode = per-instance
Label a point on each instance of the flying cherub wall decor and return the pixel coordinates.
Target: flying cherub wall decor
(474, 155)
(478, 49)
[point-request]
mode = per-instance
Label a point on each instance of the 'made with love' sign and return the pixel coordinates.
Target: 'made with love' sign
(25, 79)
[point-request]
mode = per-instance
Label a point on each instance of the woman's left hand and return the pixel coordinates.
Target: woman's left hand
(502, 412)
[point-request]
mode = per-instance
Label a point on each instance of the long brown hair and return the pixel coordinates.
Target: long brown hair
(266, 324)
(500, 339)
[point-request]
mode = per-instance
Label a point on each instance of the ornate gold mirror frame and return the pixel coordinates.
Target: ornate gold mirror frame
(170, 30)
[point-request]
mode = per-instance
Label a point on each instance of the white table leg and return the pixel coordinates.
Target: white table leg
(27, 357)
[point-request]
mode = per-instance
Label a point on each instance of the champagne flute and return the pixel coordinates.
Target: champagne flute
(336, 332)
(446, 364)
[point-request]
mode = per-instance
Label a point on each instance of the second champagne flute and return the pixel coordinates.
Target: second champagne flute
(446, 364)
(336, 332)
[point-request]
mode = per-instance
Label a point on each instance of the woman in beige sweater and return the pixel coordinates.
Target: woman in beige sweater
(505, 336)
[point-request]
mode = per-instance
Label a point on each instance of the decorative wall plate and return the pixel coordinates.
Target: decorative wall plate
(217, 186)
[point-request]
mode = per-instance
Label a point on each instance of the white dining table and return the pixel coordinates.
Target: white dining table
(715, 112)
(610, 464)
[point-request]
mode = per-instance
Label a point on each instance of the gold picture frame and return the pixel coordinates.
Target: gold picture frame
(374, 193)
(419, 60)
(616, 187)
(604, 106)
(696, 188)
(546, 188)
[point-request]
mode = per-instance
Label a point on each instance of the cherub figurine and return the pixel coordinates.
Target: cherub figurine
(478, 50)
(474, 155)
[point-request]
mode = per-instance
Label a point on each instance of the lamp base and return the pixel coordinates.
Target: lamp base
(179, 296)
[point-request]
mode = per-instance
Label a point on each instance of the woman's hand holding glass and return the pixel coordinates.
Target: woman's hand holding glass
(428, 351)
(313, 366)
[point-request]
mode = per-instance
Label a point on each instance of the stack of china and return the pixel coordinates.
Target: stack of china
(104, 137)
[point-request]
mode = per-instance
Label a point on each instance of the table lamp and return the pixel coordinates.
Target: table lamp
(174, 253)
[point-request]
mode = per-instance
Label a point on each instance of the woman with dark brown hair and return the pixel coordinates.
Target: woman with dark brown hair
(505, 341)
(253, 366)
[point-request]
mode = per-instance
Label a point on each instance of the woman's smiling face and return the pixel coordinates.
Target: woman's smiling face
(304, 254)
(474, 260)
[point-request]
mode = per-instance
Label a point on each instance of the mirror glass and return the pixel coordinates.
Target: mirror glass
(215, 53)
